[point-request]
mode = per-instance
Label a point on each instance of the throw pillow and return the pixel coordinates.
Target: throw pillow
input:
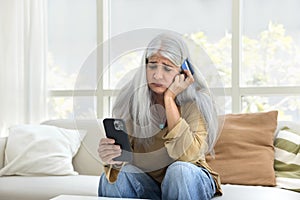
(40, 150)
(287, 158)
(244, 152)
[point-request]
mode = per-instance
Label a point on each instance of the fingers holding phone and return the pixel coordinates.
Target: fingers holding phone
(188, 70)
(182, 80)
(107, 151)
(189, 79)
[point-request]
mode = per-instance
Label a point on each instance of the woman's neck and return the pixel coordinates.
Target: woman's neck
(159, 99)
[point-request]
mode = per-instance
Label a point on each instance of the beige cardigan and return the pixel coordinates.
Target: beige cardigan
(185, 142)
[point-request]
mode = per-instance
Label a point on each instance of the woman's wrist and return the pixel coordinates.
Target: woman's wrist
(169, 95)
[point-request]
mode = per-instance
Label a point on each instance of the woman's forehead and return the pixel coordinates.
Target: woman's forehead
(168, 54)
(159, 58)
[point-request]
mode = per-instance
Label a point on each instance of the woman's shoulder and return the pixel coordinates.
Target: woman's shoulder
(190, 111)
(189, 107)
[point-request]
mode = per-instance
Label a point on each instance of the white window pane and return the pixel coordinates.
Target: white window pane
(271, 43)
(71, 37)
(60, 108)
(207, 23)
(227, 107)
(108, 105)
(72, 107)
(288, 106)
(213, 16)
(116, 72)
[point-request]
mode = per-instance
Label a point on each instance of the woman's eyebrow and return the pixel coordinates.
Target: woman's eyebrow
(164, 63)
(167, 64)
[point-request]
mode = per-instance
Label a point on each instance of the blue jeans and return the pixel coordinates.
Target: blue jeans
(182, 181)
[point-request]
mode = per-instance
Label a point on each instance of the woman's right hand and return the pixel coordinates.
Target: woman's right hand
(180, 83)
(107, 151)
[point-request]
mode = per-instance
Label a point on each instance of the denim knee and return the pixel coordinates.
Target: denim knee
(125, 186)
(184, 180)
(131, 183)
(178, 171)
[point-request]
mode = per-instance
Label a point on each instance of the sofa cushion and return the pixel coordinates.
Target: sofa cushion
(287, 157)
(40, 150)
(86, 161)
(244, 152)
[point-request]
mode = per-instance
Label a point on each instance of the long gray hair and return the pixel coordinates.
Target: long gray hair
(135, 103)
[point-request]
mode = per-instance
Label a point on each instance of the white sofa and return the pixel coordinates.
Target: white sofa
(87, 163)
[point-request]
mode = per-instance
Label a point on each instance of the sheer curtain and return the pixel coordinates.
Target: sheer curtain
(22, 62)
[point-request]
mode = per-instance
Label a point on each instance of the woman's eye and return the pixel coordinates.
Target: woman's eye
(151, 66)
(166, 68)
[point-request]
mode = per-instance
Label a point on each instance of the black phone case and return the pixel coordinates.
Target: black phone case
(116, 129)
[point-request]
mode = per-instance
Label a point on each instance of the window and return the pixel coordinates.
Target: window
(72, 36)
(131, 19)
(270, 57)
(253, 45)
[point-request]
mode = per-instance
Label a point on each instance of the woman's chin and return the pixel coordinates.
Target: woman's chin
(159, 90)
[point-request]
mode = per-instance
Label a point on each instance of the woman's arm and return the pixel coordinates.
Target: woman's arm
(180, 83)
(172, 112)
(186, 141)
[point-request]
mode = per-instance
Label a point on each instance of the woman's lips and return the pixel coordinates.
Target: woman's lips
(157, 84)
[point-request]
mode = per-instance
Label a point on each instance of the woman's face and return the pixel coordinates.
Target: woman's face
(160, 73)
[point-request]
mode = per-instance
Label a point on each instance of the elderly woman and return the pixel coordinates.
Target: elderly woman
(172, 124)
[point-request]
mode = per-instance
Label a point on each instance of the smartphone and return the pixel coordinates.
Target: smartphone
(186, 65)
(116, 129)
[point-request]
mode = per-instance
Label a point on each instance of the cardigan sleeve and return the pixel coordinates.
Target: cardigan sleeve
(187, 140)
(112, 173)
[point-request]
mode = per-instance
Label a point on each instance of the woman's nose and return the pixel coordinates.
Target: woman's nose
(158, 74)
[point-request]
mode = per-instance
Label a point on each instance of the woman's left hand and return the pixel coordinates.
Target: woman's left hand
(180, 83)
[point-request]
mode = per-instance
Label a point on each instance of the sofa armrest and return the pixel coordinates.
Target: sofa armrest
(2, 150)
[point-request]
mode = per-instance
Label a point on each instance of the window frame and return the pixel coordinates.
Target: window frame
(236, 91)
